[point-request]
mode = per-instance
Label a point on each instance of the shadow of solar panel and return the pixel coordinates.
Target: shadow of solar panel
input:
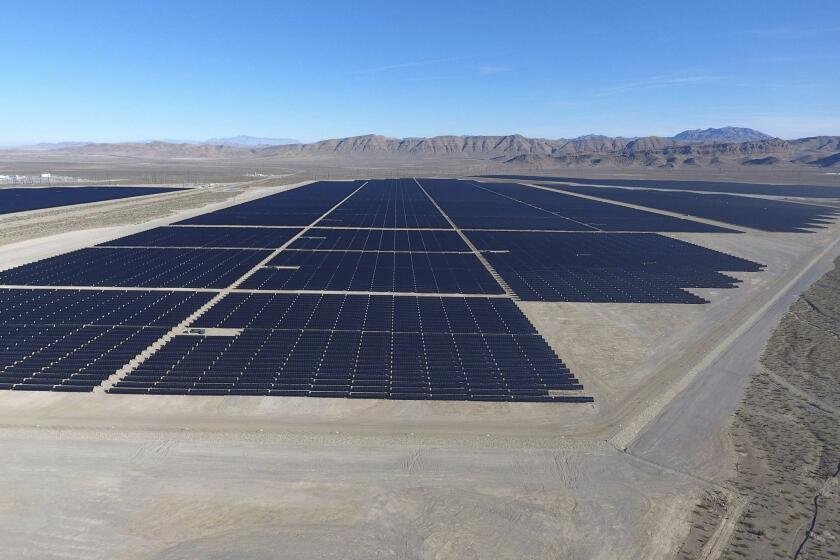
(456, 273)
(601, 215)
(806, 191)
(607, 267)
(254, 238)
(32, 198)
(471, 207)
(380, 240)
(757, 213)
(152, 267)
(296, 207)
(387, 203)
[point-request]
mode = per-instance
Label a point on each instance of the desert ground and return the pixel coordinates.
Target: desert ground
(703, 441)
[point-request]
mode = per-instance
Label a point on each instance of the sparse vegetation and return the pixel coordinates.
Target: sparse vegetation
(785, 434)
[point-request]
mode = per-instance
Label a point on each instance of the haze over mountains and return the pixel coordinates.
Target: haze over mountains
(243, 141)
(692, 148)
(725, 134)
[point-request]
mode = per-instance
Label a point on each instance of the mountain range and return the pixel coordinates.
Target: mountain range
(691, 148)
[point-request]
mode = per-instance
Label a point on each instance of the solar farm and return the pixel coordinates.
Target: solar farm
(405, 289)
(316, 363)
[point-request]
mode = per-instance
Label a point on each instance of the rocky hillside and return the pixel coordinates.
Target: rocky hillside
(512, 150)
(585, 151)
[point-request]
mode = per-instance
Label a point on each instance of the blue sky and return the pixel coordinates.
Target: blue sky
(117, 71)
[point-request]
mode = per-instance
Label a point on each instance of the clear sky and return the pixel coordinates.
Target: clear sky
(140, 70)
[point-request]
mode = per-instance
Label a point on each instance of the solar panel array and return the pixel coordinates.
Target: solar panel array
(486, 206)
(37, 198)
(601, 215)
(390, 203)
(345, 289)
(606, 267)
(758, 213)
(364, 347)
(72, 340)
(804, 191)
(296, 207)
(471, 207)
(138, 267)
(375, 271)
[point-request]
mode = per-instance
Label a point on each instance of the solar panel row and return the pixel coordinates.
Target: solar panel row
(758, 213)
(141, 267)
(367, 313)
(381, 240)
(36, 198)
(98, 307)
(207, 237)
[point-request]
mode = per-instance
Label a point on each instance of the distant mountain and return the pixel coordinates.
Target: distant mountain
(513, 150)
(372, 144)
(46, 146)
(250, 141)
(158, 150)
(725, 134)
